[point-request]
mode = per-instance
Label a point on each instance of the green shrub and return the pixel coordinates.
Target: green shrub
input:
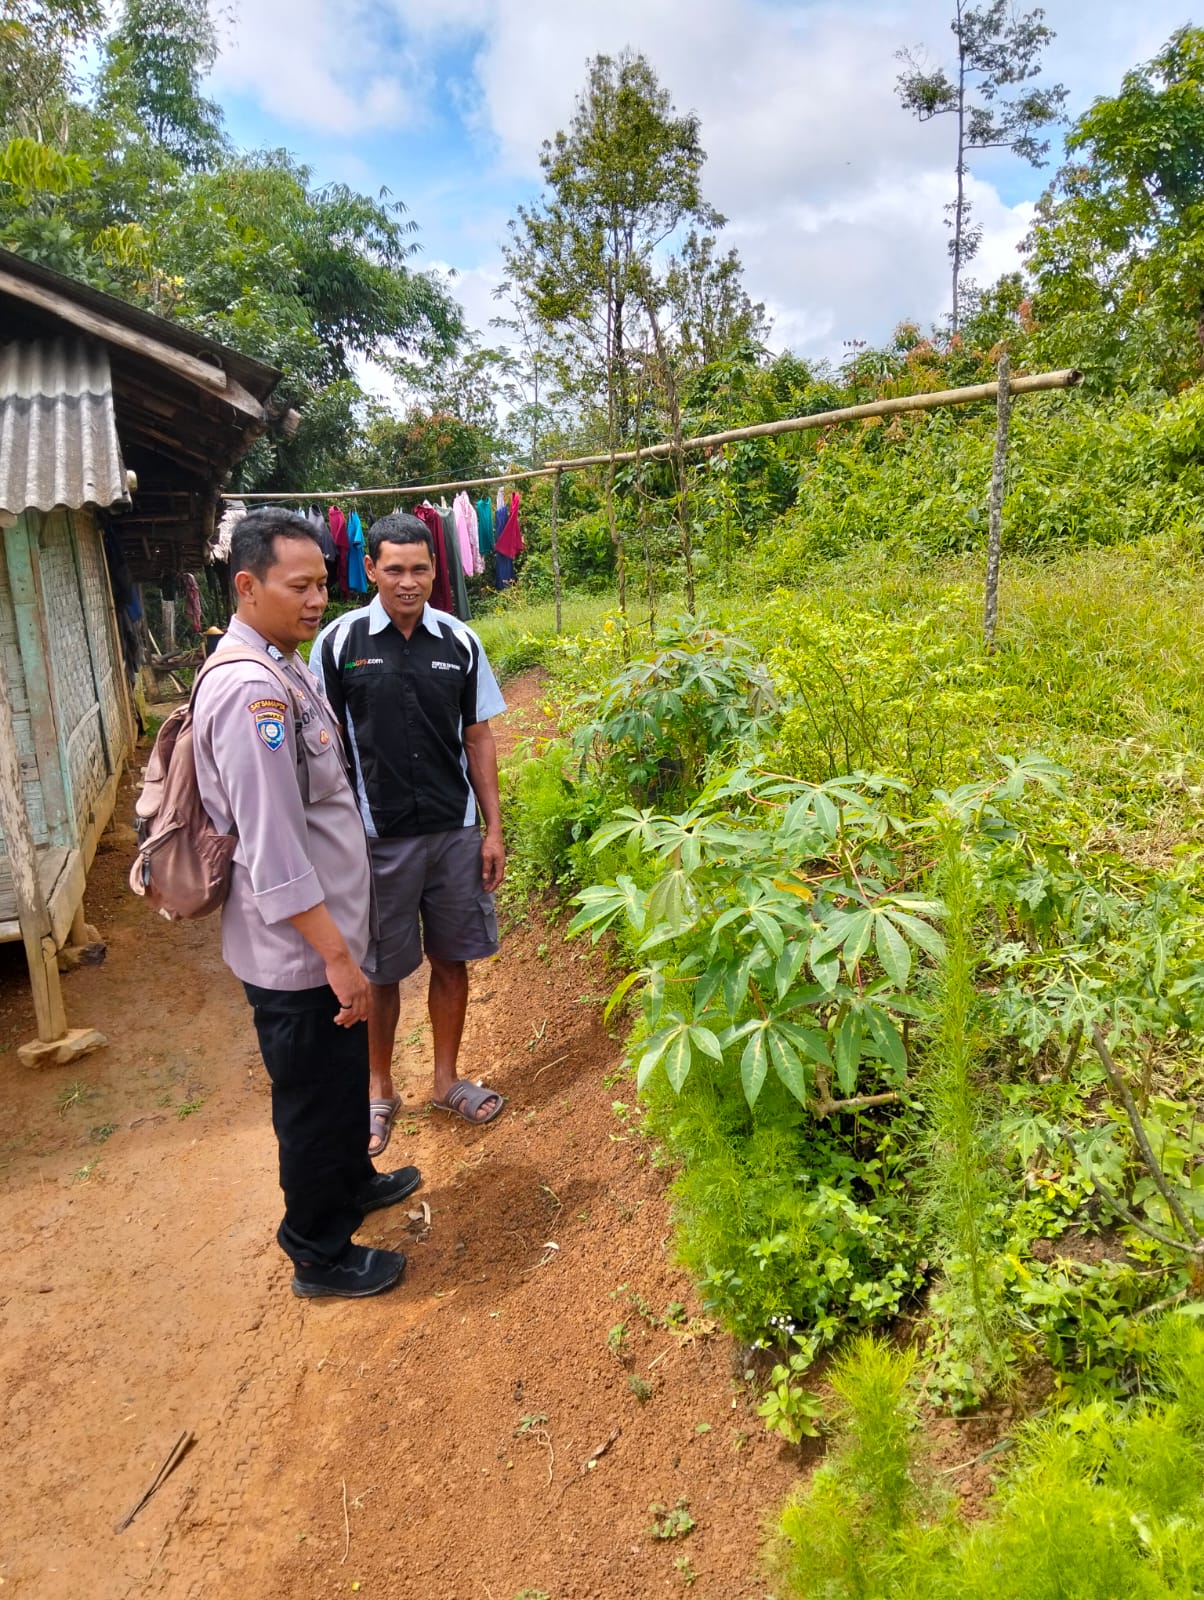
(868, 692)
(1101, 1502)
(696, 697)
(541, 809)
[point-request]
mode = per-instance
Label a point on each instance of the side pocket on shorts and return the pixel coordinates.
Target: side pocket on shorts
(488, 916)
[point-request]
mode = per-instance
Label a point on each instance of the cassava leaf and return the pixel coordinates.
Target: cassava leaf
(892, 950)
(754, 1064)
(848, 1051)
(787, 1065)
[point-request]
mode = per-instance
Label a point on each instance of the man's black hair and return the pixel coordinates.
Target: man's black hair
(399, 527)
(252, 545)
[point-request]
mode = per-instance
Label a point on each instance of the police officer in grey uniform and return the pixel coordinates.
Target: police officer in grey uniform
(295, 927)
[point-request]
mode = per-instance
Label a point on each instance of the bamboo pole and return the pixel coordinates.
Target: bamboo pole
(971, 394)
(1065, 379)
(556, 545)
(392, 489)
(995, 533)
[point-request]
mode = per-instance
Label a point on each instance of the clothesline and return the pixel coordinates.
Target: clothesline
(1067, 378)
(395, 489)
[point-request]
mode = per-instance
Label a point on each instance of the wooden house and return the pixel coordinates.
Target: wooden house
(117, 431)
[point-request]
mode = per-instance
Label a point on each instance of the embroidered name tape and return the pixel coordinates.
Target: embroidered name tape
(446, 666)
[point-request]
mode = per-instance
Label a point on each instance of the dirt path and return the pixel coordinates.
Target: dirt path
(432, 1443)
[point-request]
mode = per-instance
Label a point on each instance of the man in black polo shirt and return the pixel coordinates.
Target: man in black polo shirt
(414, 691)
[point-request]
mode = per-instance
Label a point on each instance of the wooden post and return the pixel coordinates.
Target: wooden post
(556, 545)
(995, 533)
(32, 913)
(683, 513)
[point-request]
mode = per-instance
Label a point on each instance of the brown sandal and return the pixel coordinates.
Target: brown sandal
(465, 1099)
(381, 1115)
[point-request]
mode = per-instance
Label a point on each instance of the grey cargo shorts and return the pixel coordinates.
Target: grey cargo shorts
(433, 879)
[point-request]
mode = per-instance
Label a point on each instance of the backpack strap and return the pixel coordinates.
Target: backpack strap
(255, 658)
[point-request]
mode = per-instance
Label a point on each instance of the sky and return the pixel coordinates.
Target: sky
(834, 196)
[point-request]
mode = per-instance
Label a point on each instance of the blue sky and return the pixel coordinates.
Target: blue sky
(834, 196)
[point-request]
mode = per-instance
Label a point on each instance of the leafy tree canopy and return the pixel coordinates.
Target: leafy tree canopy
(1117, 249)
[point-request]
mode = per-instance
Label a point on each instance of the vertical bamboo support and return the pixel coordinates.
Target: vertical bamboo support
(556, 544)
(642, 513)
(995, 533)
(687, 543)
(616, 538)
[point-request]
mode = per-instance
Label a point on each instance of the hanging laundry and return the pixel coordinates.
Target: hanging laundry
(509, 543)
(329, 554)
(510, 539)
(338, 532)
(455, 564)
(192, 600)
(503, 513)
(441, 595)
(485, 527)
(466, 535)
(217, 556)
(357, 578)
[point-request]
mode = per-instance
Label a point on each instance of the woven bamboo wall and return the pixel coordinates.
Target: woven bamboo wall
(15, 673)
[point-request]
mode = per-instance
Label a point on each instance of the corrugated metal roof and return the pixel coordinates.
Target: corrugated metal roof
(58, 430)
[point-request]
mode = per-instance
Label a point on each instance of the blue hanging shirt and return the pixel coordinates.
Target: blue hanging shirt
(357, 578)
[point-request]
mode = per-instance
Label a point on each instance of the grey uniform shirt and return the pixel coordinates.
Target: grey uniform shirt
(300, 837)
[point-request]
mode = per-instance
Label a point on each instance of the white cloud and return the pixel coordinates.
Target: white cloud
(835, 196)
(311, 64)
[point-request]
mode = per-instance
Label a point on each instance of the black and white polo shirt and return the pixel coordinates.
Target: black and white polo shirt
(404, 704)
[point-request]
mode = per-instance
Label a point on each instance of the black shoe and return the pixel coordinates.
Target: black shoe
(360, 1272)
(387, 1188)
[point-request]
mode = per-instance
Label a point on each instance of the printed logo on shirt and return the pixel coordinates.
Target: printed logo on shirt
(446, 666)
(364, 661)
(269, 721)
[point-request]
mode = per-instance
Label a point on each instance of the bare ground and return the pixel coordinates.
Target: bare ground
(431, 1443)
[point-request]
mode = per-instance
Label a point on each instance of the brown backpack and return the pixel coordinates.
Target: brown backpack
(184, 864)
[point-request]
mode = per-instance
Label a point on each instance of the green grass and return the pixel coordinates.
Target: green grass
(522, 634)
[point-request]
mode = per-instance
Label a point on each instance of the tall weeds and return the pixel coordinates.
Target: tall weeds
(962, 1184)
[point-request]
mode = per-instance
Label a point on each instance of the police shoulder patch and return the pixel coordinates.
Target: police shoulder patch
(269, 718)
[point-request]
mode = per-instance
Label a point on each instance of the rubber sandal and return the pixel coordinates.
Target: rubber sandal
(382, 1112)
(465, 1099)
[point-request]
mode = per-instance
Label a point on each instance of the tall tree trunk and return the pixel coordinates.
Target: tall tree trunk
(961, 168)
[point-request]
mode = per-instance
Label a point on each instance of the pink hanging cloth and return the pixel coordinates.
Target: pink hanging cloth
(466, 535)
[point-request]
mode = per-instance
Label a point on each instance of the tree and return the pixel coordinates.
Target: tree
(1117, 247)
(422, 447)
(620, 183)
(711, 310)
(38, 43)
(528, 386)
(997, 50)
(155, 61)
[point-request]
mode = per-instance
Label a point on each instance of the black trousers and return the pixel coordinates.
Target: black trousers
(319, 1076)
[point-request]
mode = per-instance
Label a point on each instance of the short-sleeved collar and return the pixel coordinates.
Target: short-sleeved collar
(236, 628)
(379, 619)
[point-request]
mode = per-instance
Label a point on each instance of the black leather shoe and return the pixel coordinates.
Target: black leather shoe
(360, 1272)
(387, 1188)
